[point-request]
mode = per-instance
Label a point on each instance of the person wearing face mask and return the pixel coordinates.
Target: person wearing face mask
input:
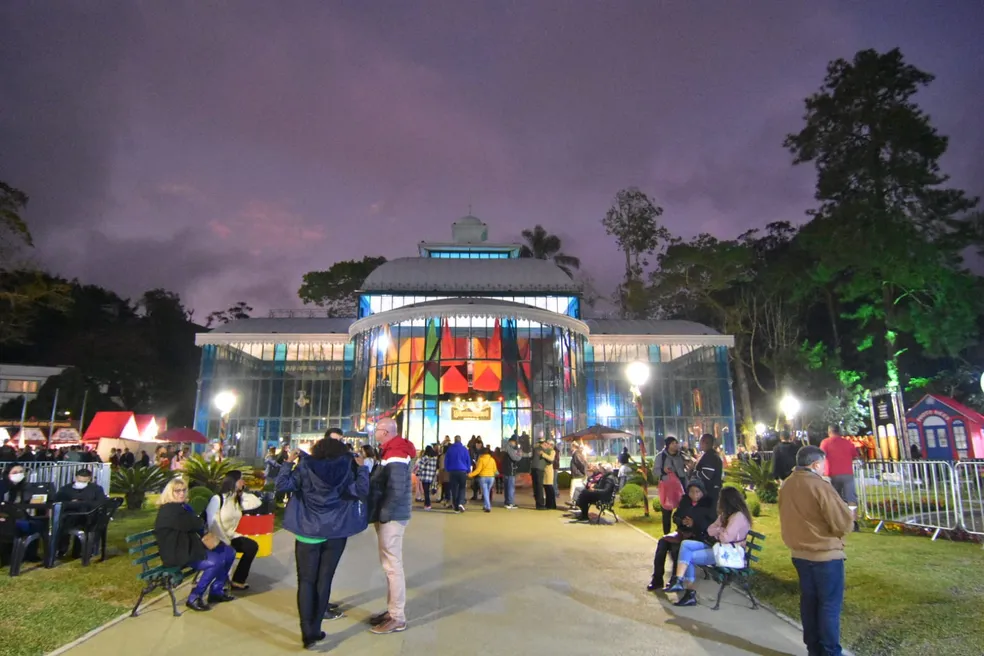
(814, 522)
(15, 488)
(83, 494)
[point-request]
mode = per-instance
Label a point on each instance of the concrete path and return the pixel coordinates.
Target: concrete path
(509, 582)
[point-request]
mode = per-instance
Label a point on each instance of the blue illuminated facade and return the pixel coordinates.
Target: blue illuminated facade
(468, 338)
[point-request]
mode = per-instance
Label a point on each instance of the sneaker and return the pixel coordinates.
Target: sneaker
(389, 626)
(427, 507)
(689, 598)
(461, 509)
(333, 614)
(380, 618)
(486, 509)
(312, 641)
(676, 585)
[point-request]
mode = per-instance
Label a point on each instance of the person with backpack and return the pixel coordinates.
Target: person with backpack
(669, 462)
(222, 516)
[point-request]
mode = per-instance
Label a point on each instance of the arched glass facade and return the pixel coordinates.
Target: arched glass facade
(470, 375)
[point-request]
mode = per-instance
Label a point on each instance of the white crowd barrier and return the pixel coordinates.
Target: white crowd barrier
(936, 495)
(63, 473)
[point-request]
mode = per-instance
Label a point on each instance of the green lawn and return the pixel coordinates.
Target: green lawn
(905, 594)
(41, 610)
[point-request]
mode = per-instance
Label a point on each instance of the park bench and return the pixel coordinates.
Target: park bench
(607, 505)
(727, 575)
(144, 546)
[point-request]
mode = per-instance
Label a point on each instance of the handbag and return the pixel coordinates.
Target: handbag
(670, 492)
(729, 555)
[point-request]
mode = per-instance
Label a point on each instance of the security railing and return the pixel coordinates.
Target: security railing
(970, 494)
(935, 495)
(63, 473)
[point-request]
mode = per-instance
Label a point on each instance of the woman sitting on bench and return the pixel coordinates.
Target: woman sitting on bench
(693, 517)
(223, 513)
(731, 527)
(182, 542)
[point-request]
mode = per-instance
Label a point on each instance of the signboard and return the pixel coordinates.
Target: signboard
(471, 413)
(34, 423)
(888, 424)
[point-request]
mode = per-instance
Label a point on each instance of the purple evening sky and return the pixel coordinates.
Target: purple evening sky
(223, 149)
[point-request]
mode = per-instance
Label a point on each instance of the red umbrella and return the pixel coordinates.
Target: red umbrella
(182, 436)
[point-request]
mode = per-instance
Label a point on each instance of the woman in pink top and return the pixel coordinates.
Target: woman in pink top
(732, 527)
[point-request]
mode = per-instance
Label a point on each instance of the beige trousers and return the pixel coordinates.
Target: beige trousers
(390, 536)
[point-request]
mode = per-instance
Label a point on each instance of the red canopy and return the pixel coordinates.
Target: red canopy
(182, 436)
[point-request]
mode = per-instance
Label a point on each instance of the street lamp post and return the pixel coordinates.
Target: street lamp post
(224, 402)
(790, 407)
(637, 374)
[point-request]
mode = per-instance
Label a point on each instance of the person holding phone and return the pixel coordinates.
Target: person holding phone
(182, 541)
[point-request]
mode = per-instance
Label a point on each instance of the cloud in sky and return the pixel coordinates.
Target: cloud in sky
(222, 154)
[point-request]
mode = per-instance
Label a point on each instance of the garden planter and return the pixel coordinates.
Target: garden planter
(258, 528)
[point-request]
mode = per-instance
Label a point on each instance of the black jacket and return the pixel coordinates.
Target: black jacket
(178, 530)
(579, 466)
(88, 497)
(390, 491)
(607, 483)
(784, 459)
(703, 515)
(710, 471)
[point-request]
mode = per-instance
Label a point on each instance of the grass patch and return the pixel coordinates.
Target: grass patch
(904, 594)
(43, 609)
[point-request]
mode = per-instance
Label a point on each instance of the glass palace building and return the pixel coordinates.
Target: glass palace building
(465, 339)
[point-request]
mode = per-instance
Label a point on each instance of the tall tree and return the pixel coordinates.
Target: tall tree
(887, 233)
(24, 291)
(238, 311)
(633, 219)
(336, 289)
(542, 245)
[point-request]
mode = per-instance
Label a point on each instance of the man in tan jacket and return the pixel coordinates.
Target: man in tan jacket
(814, 521)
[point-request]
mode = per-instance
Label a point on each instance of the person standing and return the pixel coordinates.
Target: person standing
(814, 521)
(579, 468)
(485, 472)
(784, 456)
(709, 469)
(537, 465)
(390, 499)
(549, 455)
(326, 507)
(457, 463)
(670, 461)
(427, 473)
(840, 454)
(511, 458)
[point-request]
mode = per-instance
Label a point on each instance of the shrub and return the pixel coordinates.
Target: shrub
(198, 498)
(136, 482)
(635, 479)
(564, 480)
(630, 496)
(753, 503)
(759, 477)
(737, 487)
(209, 473)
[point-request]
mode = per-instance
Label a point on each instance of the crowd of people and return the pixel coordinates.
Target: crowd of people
(30, 453)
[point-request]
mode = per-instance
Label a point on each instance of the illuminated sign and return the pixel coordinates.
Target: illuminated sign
(471, 413)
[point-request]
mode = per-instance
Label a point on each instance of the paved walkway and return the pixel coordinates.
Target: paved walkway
(509, 582)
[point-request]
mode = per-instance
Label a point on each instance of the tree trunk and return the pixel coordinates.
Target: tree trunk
(744, 396)
(832, 314)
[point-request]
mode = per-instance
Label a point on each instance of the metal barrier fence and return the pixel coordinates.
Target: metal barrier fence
(928, 494)
(63, 473)
(970, 495)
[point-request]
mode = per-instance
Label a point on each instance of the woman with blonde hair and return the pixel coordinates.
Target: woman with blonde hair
(182, 541)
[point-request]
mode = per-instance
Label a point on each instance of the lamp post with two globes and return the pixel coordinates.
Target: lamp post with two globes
(224, 402)
(638, 373)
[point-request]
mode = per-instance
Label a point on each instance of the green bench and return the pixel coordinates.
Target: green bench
(726, 575)
(144, 547)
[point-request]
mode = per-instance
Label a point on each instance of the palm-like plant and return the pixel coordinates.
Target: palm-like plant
(761, 478)
(541, 245)
(134, 483)
(209, 473)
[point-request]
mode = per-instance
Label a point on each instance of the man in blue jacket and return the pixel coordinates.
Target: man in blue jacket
(458, 463)
(390, 498)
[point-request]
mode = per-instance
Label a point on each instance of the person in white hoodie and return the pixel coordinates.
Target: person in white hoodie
(223, 513)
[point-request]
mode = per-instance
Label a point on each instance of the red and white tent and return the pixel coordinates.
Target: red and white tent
(119, 430)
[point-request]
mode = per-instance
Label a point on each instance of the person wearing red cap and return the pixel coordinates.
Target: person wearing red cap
(390, 499)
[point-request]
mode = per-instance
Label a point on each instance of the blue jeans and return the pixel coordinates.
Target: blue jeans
(486, 483)
(821, 597)
(510, 493)
(693, 552)
(215, 571)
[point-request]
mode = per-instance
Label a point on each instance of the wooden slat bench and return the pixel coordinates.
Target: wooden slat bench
(726, 575)
(144, 546)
